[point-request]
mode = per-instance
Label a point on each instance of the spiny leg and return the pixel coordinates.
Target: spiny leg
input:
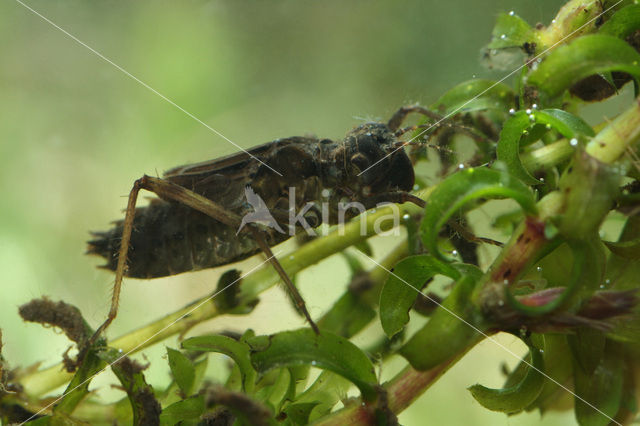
(293, 291)
(172, 192)
(399, 116)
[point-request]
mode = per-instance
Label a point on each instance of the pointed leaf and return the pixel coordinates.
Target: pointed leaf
(403, 287)
(183, 370)
(518, 397)
(327, 351)
(511, 31)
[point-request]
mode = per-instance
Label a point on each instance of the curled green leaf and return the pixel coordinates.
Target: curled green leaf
(585, 56)
(516, 398)
(463, 187)
(623, 23)
(475, 95)
(403, 287)
(508, 149)
(326, 350)
(238, 351)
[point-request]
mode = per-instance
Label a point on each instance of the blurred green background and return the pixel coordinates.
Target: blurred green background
(75, 132)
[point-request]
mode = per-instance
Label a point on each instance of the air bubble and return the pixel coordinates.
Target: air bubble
(528, 111)
(406, 216)
(607, 281)
(512, 13)
(120, 351)
(503, 36)
(541, 351)
(454, 252)
(573, 142)
(512, 111)
(532, 117)
(416, 187)
(461, 166)
(553, 21)
(534, 106)
(539, 268)
(313, 363)
(601, 285)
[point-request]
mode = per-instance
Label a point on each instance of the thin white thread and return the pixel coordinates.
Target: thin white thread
(492, 86)
(491, 339)
(128, 74)
(149, 338)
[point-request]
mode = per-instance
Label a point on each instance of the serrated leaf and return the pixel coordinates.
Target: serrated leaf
(327, 351)
(238, 351)
(585, 56)
(624, 22)
(454, 327)
(475, 95)
(511, 31)
(182, 369)
(463, 187)
(403, 287)
(186, 409)
(516, 398)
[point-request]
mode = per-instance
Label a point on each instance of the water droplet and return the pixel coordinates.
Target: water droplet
(527, 111)
(573, 142)
(511, 13)
(503, 36)
(512, 111)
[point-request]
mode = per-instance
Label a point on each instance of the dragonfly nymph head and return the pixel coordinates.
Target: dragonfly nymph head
(375, 163)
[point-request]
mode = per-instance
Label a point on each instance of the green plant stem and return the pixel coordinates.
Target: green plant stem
(179, 322)
(547, 156)
(612, 141)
